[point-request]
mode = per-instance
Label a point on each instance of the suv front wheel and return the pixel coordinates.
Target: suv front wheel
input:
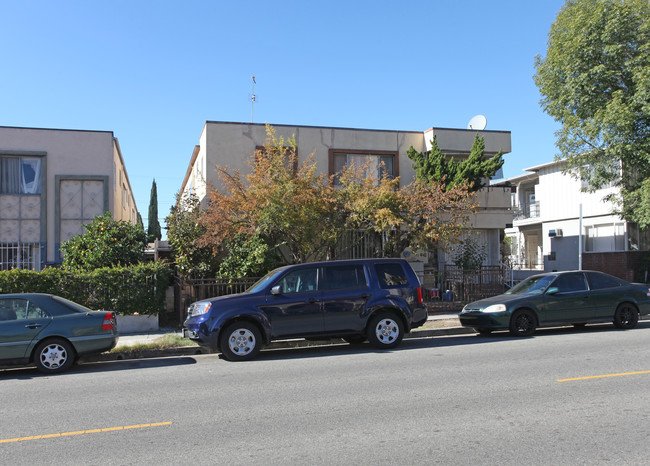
(240, 341)
(385, 330)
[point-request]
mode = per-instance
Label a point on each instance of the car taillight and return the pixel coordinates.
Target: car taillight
(419, 295)
(109, 321)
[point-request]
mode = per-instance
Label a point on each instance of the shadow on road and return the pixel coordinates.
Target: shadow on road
(434, 342)
(27, 373)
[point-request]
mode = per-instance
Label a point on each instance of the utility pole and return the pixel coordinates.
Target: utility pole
(252, 96)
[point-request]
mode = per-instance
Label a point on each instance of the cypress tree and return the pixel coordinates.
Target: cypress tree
(153, 232)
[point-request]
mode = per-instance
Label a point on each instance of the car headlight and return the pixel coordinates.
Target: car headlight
(494, 308)
(197, 309)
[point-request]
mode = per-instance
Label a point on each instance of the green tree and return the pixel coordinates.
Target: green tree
(247, 257)
(183, 233)
(595, 81)
(434, 166)
(105, 243)
(153, 230)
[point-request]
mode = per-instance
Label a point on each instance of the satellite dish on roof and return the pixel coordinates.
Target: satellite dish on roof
(477, 122)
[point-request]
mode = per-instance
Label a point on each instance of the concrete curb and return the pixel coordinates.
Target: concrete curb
(300, 343)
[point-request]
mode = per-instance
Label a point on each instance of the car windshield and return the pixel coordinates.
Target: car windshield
(264, 281)
(532, 285)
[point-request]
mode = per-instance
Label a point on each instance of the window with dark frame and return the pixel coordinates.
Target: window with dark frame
(376, 164)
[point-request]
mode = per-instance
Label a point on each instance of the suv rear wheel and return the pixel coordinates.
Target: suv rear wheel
(385, 330)
(240, 341)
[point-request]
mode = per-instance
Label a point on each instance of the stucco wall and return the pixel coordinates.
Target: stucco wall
(76, 154)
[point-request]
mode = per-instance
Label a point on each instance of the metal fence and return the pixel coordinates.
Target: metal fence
(186, 291)
(20, 256)
(449, 289)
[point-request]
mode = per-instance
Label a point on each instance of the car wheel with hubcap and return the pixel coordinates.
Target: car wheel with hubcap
(626, 316)
(385, 330)
(240, 341)
(522, 323)
(55, 355)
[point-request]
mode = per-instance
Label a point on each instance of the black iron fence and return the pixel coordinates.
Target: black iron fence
(449, 289)
(186, 291)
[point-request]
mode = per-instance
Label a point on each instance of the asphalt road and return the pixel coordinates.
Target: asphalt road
(445, 400)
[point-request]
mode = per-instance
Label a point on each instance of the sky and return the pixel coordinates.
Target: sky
(154, 72)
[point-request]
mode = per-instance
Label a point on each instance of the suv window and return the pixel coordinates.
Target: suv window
(344, 276)
(298, 281)
(599, 281)
(390, 275)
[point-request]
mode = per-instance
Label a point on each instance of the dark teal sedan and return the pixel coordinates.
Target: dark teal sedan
(560, 298)
(51, 332)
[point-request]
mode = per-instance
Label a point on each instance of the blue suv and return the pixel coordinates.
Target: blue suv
(375, 299)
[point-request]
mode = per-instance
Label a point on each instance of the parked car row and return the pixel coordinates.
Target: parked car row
(378, 300)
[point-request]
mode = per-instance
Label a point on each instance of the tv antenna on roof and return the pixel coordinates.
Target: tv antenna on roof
(252, 96)
(477, 122)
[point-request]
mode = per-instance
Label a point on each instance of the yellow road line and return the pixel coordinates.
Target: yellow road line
(83, 432)
(602, 376)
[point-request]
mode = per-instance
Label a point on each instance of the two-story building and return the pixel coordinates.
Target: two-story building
(231, 145)
(52, 182)
(559, 226)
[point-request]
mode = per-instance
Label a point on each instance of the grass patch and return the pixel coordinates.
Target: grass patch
(171, 340)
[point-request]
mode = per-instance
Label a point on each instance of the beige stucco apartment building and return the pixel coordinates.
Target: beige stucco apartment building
(52, 182)
(231, 145)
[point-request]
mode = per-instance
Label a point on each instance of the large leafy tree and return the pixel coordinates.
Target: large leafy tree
(434, 166)
(153, 230)
(420, 215)
(183, 232)
(104, 243)
(293, 209)
(595, 81)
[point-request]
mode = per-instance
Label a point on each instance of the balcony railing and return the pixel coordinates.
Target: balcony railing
(527, 211)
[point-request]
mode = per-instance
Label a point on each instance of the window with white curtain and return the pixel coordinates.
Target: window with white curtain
(20, 175)
(374, 165)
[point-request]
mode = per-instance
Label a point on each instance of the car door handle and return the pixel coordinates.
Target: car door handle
(33, 326)
(313, 300)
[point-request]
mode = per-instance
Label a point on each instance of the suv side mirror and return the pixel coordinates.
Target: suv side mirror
(276, 290)
(552, 290)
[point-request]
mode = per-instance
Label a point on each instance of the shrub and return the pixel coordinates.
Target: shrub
(127, 290)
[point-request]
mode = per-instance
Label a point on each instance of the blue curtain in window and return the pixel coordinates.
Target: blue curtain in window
(10, 175)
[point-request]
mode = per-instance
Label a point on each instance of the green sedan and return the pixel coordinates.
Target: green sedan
(51, 332)
(559, 298)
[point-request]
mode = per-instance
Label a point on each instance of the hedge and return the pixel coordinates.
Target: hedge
(138, 289)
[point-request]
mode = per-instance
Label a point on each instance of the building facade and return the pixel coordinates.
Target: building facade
(232, 145)
(52, 182)
(558, 226)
